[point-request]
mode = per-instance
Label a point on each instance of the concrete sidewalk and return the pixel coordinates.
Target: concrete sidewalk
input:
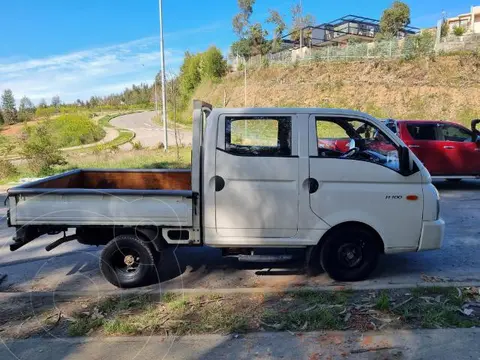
(419, 344)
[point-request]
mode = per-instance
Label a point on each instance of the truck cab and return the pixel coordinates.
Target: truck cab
(336, 183)
(448, 150)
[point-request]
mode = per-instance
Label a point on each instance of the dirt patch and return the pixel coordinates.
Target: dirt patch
(16, 129)
(443, 88)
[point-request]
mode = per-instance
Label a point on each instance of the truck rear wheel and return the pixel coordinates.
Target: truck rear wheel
(127, 262)
(349, 254)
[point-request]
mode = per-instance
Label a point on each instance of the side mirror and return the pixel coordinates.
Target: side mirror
(475, 132)
(404, 158)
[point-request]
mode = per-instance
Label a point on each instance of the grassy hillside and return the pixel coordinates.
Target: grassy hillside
(444, 87)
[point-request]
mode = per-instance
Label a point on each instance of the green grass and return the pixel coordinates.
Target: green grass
(140, 159)
(320, 318)
(82, 325)
(383, 301)
(124, 136)
(73, 130)
(105, 121)
(317, 297)
(437, 307)
(300, 310)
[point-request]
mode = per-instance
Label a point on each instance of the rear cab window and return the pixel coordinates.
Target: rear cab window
(422, 131)
(258, 135)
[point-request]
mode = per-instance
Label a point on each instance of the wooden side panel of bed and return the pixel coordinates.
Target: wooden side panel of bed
(137, 180)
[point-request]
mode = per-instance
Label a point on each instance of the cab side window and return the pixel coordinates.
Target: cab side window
(258, 136)
(423, 131)
(352, 139)
(454, 133)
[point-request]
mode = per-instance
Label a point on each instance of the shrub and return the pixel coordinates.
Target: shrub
(45, 112)
(6, 146)
(419, 45)
(213, 65)
(7, 169)
(458, 30)
(137, 145)
(40, 150)
(74, 129)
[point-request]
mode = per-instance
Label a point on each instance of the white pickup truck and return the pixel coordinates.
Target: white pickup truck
(336, 183)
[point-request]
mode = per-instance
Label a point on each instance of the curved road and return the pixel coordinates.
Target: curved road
(148, 133)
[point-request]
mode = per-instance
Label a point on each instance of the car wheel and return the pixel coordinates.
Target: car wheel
(127, 262)
(349, 254)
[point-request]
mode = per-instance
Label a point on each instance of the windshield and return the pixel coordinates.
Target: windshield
(355, 139)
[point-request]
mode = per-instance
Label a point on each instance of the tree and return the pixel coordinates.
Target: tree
(2, 121)
(458, 30)
(241, 20)
(174, 97)
(301, 21)
(56, 101)
(190, 75)
(276, 19)
(42, 104)
(8, 107)
(242, 48)
(213, 65)
(26, 110)
(252, 37)
(257, 38)
(94, 101)
(40, 149)
(444, 28)
(394, 19)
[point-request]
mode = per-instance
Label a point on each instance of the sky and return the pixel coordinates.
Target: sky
(76, 49)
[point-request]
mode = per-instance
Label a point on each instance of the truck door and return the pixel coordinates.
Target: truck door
(424, 140)
(464, 154)
(363, 184)
(256, 182)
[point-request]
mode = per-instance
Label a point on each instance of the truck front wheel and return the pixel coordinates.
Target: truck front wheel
(127, 262)
(349, 254)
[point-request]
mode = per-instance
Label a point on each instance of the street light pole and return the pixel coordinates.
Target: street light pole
(156, 97)
(164, 91)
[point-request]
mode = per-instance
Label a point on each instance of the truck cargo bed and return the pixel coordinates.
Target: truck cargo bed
(105, 197)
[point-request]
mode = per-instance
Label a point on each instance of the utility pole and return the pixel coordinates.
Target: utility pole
(245, 80)
(156, 97)
(164, 90)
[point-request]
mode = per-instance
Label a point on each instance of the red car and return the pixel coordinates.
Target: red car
(447, 149)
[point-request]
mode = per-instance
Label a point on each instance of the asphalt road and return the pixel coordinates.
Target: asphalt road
(148, 133)
(74, 267)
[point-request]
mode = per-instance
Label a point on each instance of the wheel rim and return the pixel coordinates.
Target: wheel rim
(126, 261)
(350, 255)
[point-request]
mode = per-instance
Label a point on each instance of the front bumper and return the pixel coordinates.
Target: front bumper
(432, 235)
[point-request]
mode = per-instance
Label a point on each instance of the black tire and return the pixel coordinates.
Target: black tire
(116, 262)
(312, 262)
(355, 241)
(454, 180)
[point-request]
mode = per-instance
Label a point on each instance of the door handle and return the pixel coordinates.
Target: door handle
(219, 183)
(449, 147)
(312, 185)
(413, 146)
